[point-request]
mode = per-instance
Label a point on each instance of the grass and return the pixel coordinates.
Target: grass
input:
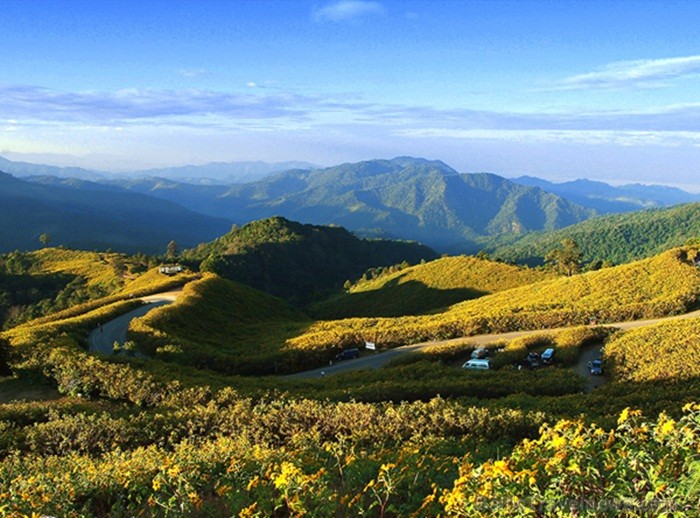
(425, 287)
(664, 285)
(16, 389)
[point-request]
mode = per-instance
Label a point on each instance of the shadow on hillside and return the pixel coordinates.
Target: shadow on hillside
(394, 299)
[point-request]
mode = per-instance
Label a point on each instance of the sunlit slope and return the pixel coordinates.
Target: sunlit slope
(53, 283)
(424, 287)
(219, 324)
(662, 285)
(667, 351)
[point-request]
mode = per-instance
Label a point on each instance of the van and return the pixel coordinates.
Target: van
(548, 356)
(474, 364)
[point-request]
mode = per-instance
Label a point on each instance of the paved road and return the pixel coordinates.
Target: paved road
(374, 361)
(101, 340)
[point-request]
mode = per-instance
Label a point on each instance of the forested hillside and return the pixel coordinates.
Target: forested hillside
(299, 262)
(405, 198)
(619, 238)
(89, 216)
(33, 284)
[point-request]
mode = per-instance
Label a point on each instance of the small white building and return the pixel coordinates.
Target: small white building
(170, 269)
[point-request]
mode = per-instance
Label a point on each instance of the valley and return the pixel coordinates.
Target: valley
(217, 388)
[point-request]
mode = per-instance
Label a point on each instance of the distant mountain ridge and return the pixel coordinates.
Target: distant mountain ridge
(219, 173)
(88, 215)
(404, 198)
(606, 198)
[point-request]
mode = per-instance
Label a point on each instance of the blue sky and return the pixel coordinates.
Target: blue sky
(606, 90)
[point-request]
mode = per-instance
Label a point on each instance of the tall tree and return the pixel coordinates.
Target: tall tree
(4, 357)
(172, 250)
(44, 239)
(567, 259)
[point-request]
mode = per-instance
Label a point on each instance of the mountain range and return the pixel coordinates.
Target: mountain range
(211, 173)
(607, 199)
(403, 198)
(81, 214)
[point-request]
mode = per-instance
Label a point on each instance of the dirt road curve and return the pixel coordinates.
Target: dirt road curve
(101, 340)
(374, 361)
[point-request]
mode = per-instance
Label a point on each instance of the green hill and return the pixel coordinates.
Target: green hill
(425, 287)
(87, 215)
(221, 325)
(39, 283)
(619, 238)
(299, 262)
(404, 198)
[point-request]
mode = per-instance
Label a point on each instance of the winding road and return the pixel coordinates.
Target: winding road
(376, 360)
(101, 340)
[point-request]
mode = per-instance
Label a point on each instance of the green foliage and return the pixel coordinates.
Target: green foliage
(299, 262)
(639, 468)
(619, 238)
(418, 289)
(567, 259)
(221, 325)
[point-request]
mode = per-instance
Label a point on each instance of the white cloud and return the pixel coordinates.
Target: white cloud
(605, 137)
(648, 73)
(345, 10)
(195, 72)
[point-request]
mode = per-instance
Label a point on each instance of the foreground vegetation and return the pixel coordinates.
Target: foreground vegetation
(177, 434)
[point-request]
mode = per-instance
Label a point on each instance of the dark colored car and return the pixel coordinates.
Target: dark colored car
(596, 367)
(532, 361)
(347, 354)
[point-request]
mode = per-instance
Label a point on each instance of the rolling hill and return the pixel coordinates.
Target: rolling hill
(619, 238)
(86, 215)
(299, 262)
(404, 198)
(666, 284)
(424, 287)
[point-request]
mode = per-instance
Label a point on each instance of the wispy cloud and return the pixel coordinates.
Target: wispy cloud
(599, 137)
(260, 109)
(649, 73)
(192, 72)
(38, 103)
(345, 10)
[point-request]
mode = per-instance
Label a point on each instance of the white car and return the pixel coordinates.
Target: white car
(475, 364)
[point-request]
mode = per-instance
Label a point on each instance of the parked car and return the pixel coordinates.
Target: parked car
(477, 364)
(348, 354)
(480, 353)
(596, 367)
(548, 356)
(532, 360)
